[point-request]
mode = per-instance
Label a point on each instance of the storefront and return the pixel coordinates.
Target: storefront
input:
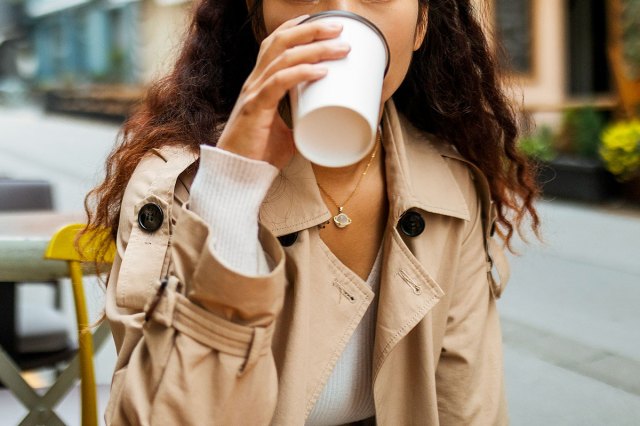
(557, 53)
(85, 41)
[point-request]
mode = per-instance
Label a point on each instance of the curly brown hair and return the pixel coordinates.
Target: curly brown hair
(452, 90)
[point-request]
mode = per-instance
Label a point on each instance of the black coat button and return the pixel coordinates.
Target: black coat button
(150, 217)
(288, 240)
(411, 224)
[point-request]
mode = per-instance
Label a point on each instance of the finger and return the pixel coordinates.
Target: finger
(281, 142)
(276, 86)
(306, 54)
(280, 133)
(279, 41)
(291, 22)
(279, 126)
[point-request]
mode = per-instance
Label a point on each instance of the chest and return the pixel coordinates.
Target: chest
(325, 302)
(357, 244)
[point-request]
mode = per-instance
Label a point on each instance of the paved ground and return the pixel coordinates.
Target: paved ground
(570, 319)
(570, 313)
(68, 152)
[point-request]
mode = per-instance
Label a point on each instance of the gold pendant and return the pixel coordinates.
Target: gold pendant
(341, 219)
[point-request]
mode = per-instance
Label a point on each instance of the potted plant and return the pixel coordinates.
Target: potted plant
(569, 163)
(539, 145)
(620, 151)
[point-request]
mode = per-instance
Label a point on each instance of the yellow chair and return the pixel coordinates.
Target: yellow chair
(63, 247)
(66, 246)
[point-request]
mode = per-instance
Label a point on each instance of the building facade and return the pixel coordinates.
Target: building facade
(75, 42)
(558, 53)
(556, 50)
(84, 41)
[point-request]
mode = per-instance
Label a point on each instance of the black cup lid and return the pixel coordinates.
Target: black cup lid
(356, 17)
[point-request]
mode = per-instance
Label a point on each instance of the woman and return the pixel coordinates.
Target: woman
(235, 299)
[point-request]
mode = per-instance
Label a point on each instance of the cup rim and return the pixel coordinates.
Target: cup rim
(356, 17)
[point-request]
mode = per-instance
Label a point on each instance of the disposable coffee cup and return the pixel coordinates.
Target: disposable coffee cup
(335, 119)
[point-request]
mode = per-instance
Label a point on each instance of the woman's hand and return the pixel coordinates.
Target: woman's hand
(287, 57)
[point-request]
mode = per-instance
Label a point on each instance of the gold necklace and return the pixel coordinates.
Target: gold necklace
(342, 220)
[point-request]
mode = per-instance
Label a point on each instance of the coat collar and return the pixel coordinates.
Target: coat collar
(416, 171)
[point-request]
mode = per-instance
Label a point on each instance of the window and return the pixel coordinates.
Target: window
(587, 54)
(514, 31)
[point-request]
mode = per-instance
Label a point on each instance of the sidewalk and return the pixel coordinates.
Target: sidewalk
(570, 314)
(570, 318)
(69, 152)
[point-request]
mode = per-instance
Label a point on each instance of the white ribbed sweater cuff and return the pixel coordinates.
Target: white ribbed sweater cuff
(227, 193)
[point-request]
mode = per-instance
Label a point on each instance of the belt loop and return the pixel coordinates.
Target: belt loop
(156, 299)
(255, 351)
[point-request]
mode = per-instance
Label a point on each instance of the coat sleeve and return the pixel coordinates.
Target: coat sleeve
(199, 350)
(469, 375)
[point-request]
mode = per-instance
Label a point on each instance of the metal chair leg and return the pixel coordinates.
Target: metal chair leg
(85, 349)
(40, 408)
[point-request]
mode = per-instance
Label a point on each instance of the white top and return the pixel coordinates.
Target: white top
(227, 193)
(348, 394)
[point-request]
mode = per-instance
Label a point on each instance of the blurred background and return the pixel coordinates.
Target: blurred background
(71, 71)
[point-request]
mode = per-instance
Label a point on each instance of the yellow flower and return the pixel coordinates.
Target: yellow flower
(620, 149)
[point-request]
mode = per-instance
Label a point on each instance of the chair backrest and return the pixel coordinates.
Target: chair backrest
(67, 244)
(25, 195)
(87, 248)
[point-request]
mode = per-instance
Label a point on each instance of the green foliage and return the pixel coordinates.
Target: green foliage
(620, 149)
(539, 145)
(581, 129)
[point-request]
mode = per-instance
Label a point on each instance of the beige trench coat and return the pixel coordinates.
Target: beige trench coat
(221, 348)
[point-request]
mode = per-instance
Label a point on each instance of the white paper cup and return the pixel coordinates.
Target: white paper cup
(335, 119)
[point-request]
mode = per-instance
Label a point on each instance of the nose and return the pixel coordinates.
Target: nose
(345, 5)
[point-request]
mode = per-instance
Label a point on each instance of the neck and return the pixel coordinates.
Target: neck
(337, 175)
(330, 176)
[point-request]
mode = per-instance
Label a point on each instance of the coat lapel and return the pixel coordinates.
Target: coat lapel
(417, 174)
(419, 179)
(294, 201)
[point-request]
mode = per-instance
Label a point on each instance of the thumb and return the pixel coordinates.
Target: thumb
(281, 142)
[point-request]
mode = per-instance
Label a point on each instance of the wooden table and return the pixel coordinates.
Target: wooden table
(23, 239)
